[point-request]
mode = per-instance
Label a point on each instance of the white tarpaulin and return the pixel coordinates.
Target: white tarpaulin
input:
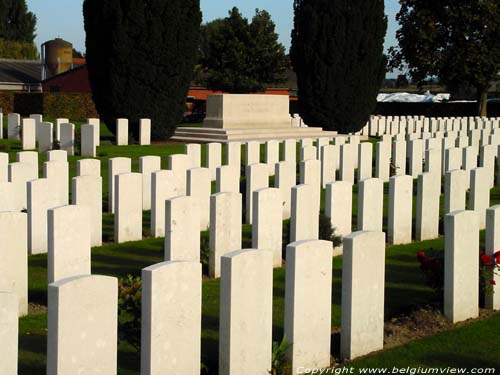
(404, 97)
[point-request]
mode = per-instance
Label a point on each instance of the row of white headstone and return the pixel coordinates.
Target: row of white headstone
(33, 129)
(392, 125)
(172, 303)
(156, 185)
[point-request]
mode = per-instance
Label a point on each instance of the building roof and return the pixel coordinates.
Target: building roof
(20, 71)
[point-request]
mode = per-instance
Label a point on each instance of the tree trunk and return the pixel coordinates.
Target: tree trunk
(483, 102)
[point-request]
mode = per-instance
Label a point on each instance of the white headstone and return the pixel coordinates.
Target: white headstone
(199, 188)
(225, 228)
(40, 198)
(479, 197)
(455, 188)
(179, 164)
(427, 217)
(370, 204)
(363, 281)
(116, 166)
(347, 162)
(461, 266)
(67, 140)
(45, 136)
(12, 196)
(14, 255)
(492, 300)
(285, 178)
(94, 300)
(88, 144)
(383, 161)
(365, 155)
(14, 126)
(257, 177)
(162, 188)
(128, 207)
(9, 332)
(233, 155)
(267, 222)
(272, 155)
(96, 124)
(290, 150)
(304, 221)
(400, 210)
(213, 158)
(148, 165)
(246, 319)
(144, 131)
(57, 173)
(329, 162)
(29, 134)
(310, 174)
(122, 132)
(88, 167)
(416, 157)
(87, 192)
(171, 318)
(338, 206)
(69, 242)
(193, 151)
(399, 157)
(182, 227)
(252, 152)
(59, 122)
(308, 304)
(228, 179)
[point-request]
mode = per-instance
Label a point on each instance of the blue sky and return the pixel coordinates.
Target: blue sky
(63, 18)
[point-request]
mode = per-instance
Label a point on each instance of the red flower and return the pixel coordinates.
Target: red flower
(497, 254)
(498, 259)
(486, 259)
(420, 255)
(493, 282)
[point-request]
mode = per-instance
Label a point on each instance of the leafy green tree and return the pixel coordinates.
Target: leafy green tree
(455, 40)
(240, 57)
(337, 53)
(12, 49)
(140, 57)
(16, 22)
(77, 54)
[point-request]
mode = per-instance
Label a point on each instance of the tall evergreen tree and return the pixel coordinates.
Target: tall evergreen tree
(337, 53)
(140, 57)
(16, 22)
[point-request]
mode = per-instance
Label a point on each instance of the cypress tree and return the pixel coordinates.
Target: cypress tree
(140, 58)
(337, 54)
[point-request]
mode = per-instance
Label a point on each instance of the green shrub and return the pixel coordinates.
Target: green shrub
(280, 364)
(204, 254)
(326, 233)
(129, 310)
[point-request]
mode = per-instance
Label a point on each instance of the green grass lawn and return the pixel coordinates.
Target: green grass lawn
(405, 290)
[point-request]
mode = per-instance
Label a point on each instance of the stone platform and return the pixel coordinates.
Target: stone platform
(206, 135)
(242, 118)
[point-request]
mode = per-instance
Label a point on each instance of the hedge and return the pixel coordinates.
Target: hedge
(74, 106)
(7, 102)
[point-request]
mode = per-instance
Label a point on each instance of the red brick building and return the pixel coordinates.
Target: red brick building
(77, 80)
